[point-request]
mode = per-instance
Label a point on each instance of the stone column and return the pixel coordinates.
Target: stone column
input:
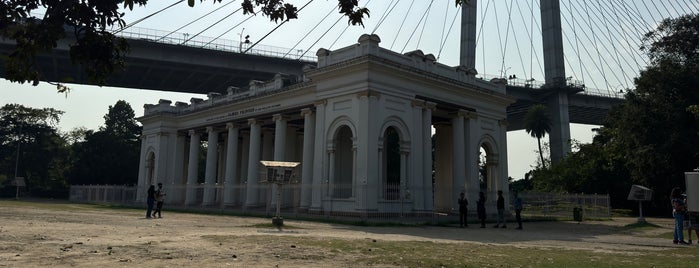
(307, 165)
(459, 157)
(318, 156)
(427, 154)
(279, 148)
(231, 165)
(211, 162)
(244, 155)
(473, 152)
(253, 164)
(192, 168)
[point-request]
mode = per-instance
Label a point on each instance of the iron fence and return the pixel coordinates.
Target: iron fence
(339, 202)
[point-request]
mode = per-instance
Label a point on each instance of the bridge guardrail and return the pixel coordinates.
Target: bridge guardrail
(536, 84)
(178, 38)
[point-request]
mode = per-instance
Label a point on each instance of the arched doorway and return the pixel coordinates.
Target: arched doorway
(392, 164)
(343, 164)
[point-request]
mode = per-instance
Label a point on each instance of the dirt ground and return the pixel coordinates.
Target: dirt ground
(75, 235)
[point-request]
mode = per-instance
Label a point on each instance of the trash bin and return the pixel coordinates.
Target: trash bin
(577, 214)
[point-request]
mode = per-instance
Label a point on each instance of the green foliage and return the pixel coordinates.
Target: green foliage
(537, 123)
(110, 155)
(43, 154)
(651, 139)
(36, 26)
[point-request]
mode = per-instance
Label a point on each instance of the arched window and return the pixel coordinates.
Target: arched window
(391, 161)
(344, 163)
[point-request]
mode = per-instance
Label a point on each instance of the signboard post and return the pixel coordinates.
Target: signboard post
(279, 173)
(640, 194)
(691, 180)
(18, 182)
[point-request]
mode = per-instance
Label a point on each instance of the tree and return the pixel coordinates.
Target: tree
(110, 155)
(651, 139)
(37, 25)
(30, 147)
(537, 123)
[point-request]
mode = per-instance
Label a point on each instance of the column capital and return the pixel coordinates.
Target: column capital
(230, 125)
(418, 103)
(320, 102)
(306, 112)
(503, 122)
(430, 105)
(210, 129)
(277, 117)
(192, 132)
(253, 121)
(368, 93)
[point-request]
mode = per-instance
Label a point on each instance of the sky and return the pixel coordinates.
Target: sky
(509, 43)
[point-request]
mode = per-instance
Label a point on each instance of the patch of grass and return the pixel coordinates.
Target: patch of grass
(371, 252)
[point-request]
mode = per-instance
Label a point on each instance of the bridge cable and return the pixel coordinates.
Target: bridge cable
(582, 63)
(310, 31)
(275, 28)
(210, 26)
(345, 30)
(577, 44)
(671, 5)
(650, 13)
(538, 27)
(631, 26)
(616, 52)
(383, 17)
(423, 26)
(401, 24)
(190, 23)
(502, 53)
(604, 13)
(144, 18)
(444, 40)
(444, 26)
(418, 25)
(480, 31)
(229, 30)
(514, 34)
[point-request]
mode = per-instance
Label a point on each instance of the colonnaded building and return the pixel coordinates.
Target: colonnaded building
(375, 131)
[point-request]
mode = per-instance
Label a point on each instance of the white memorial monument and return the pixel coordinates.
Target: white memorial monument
(360, 124)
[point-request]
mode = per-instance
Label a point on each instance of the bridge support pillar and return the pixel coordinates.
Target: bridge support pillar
(554, 72)
(468, 34)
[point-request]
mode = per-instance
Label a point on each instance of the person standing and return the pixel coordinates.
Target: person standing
(463, 210)
(480, 208)
(678, 211)
(501, 211)
(150, 200)
(159, 198)
(518, 209)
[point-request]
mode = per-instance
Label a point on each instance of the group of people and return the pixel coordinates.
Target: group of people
(480, 209)
(680, 213)
(155, 197)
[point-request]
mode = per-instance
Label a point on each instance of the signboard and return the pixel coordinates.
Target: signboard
(19, 182)
(640, 193)
(278, 171)
(692, 183)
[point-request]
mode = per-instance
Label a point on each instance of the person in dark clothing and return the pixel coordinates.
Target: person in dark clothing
(150, 200)
(679, 208)
(463, 210)
(501, 211)
(159, 199)
(517, 204)
(480, 208)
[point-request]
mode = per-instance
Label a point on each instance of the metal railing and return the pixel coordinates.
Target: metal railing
(179, 38)
(536, 84)
(390, 204)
